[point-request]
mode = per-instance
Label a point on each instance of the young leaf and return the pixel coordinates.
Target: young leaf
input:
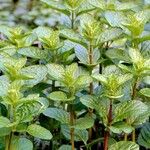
(27, 108)
(135, 55)
(73, 4)
(100, 78)
(39, 132)
(56, 71)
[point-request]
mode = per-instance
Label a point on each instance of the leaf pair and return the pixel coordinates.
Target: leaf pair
(112, 80)
(69, 76)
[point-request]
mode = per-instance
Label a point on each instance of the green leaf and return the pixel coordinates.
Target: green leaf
(2, 143)
(27, 108)
(84, 8)
(39, 132)
(42, 31)
(71, 70)
(114, 18)
(7, 49)
(124, 145)
(121, 127)
(33, 52)
(5, 131)
(60, 96)
(4, 122)
(29, 39)
(79, 135)
(97, 3)
(144, 136)
(126, 69)
(126, 6)
(55, 71)
(82, 81)
(135, 56)
(73, 5)
(94, 103)
(72, 36)
(65, 147)
(58, 114)
(100, 78)
(145, 92)
(109, 35)
(124, 78)
(21, 144)
(118, 54)
(84, 123)
(5, 30)
(4, 84)
(37, 72)
(81, 53)
(141, 118)
(145, 46)
(56, 6)
(129, 109)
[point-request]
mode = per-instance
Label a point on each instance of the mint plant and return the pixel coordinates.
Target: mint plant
(81, 82)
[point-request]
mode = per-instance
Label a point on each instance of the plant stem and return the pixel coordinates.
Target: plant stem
(90, 111)
(30, 5)
(14, 4)
(125, 137)
(133, 135)
(8, 138)
(134, 89)
(72, 19)
(72, 116)
(91, 62)
(53, 85)
(133, 97)
(9, 141)
(107, 133)
(71, 124)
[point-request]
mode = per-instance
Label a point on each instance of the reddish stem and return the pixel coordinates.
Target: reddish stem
(72, 129)
(107, 133)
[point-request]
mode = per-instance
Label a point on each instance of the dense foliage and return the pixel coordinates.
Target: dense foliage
(79, 80)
